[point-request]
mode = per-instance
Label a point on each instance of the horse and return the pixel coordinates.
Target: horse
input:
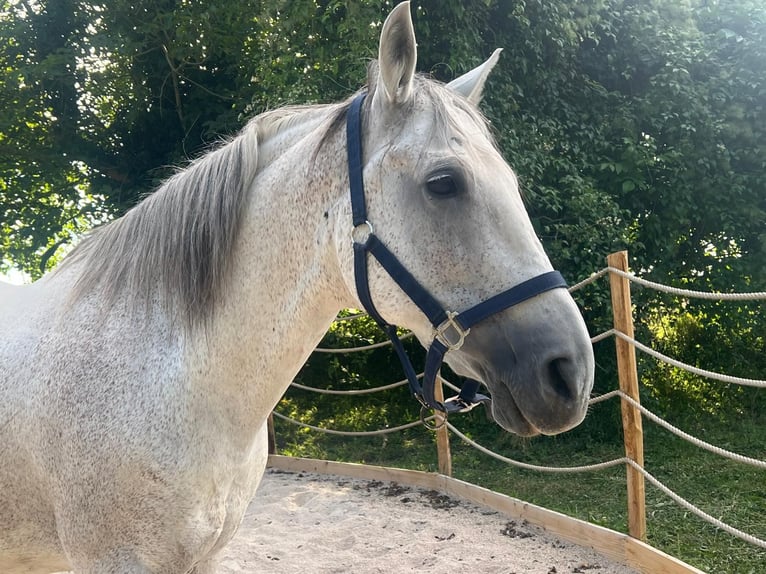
(136, 378)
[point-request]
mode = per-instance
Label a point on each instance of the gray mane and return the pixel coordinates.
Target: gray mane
(176, 243)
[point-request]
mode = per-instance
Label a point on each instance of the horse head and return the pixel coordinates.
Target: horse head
(442, 199)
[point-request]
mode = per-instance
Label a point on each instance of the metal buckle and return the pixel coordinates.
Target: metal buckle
(355, 232)
(457, 405)
(432, 422)
(440, 332)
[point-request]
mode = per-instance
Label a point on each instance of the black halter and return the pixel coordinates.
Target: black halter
(450, 328)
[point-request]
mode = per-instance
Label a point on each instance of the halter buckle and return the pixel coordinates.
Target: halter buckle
(450, 325)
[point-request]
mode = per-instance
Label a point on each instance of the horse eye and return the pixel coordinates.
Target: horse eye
(442, 185)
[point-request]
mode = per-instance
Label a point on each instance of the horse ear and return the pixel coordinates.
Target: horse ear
(471, 84)
(397, 55)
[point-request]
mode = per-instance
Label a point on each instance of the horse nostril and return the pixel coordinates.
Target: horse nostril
(560, 380)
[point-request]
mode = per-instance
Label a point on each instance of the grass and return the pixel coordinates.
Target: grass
(732, 492)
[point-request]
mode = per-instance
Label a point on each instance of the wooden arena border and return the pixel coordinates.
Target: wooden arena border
(619, 547)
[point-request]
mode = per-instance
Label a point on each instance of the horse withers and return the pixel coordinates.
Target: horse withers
(137, 377)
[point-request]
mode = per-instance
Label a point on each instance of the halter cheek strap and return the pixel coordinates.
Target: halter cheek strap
(449, 328)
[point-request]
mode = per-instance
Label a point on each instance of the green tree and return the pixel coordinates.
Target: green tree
(101, 98)
(634, 125)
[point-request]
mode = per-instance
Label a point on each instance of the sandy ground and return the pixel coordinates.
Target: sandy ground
(315, 524)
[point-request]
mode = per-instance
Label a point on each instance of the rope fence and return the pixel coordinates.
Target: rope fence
(355, 391)
(754, 296)
(378, 432)
(628, 402)
(690, 368)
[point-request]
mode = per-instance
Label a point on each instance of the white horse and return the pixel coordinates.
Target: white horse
(136, 379)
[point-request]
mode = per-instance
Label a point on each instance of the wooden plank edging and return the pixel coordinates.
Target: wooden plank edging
(614, 545)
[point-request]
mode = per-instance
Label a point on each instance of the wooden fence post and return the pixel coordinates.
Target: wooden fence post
(442, 433)
(628, 375)
(272, 434)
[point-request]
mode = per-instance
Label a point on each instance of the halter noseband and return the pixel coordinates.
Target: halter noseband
(449, 328)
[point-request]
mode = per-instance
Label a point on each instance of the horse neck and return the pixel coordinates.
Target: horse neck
(285, 284)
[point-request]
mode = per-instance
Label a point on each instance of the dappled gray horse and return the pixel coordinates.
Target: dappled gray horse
(136, 378)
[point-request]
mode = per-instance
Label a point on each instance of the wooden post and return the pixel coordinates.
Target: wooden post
(442, 434)
(272, 434)
(628, 375)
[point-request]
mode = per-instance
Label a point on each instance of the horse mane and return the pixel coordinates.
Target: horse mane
(175, 244)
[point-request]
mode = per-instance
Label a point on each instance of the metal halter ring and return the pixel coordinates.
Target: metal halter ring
(441, 331)
(355, 232)
(439, 418)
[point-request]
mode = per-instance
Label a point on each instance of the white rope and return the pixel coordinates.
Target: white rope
(602, 336)
(564, 469)
(595, 400)
(753, 296)
(590, 279)
(759, 383)
(623, 460)
(364, 348)
(349, 317)
(756, 295)
(353, 391)
(692, 439)
(604, 397)
(696, 511)
(351, 433)
(678, 432)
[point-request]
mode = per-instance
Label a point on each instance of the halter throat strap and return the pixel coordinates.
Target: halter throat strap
(449, 328)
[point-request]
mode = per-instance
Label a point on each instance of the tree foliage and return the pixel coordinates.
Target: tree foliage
(636, 125)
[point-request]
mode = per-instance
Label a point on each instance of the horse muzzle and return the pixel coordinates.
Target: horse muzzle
(536, 360)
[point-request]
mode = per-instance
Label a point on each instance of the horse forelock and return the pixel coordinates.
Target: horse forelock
(175, 246)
